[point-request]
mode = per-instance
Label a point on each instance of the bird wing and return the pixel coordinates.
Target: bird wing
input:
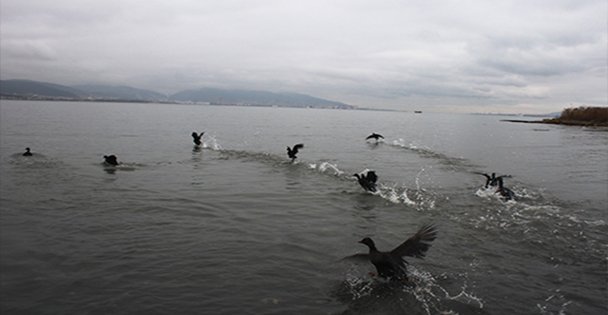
(297, 147)
(418, 244)
(372, 177)
(380, 136)
(369, 137)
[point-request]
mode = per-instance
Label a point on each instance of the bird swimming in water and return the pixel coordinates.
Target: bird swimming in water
(367, 181)
(292, 152)
(504, 192)
(374, 136)
(27, 152)
(110, 159)
(197, 138)
(391, 264)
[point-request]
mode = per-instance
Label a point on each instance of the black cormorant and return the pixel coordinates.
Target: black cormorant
(197, 138)
(504, 192)
(111, 159)
(374, 136)
(391, 264)
(492, 180)
(27, 152)
(367, 181)
(292, 152)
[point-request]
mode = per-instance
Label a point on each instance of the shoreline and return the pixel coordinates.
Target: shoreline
(557, 121)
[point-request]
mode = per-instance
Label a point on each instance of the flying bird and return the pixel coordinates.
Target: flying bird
(27, 152)
(367, 181)
(197, 138)
(391, 264)
(292, 152)
(110, 159)
(374, 136)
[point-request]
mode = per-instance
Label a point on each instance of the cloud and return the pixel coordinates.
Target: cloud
(399, 54)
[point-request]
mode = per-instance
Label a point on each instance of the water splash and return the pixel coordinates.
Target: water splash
(418, 198)
(429, 291)
(486, 192)
(324, 167)
(422, 292)
(212, 143)
(491, 192)
(395, 194)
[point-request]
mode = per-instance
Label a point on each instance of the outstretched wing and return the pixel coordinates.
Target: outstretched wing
(379, 136)
(298, 147)
(370, 137)
(418, 244)
(371, 176)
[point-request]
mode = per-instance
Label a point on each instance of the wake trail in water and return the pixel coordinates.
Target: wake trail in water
(426, 152)
(418, 198)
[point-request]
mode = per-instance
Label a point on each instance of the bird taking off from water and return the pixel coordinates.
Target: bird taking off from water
(374, 136)
(110, 159)
(292, 152)
(27, 152)
(197, 138)
(504, 192)
(391, 264)
(367, 181)
(492, 180)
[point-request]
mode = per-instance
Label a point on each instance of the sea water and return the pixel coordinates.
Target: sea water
(234, 227)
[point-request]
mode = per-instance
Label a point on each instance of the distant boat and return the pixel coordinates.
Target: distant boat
(417, 112)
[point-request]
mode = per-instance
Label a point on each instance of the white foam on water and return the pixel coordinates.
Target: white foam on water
(212, 143)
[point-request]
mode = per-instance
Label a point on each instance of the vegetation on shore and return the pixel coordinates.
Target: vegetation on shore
(581, 116)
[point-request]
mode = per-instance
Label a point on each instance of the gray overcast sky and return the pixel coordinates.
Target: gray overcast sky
(465, 56)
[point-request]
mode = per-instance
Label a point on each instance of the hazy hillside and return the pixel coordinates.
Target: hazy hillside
(119, 92)
(34, 88)
(246, 97)
(25, 89)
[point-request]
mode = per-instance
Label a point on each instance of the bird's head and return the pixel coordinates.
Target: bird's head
(357, 176)
(368, 241)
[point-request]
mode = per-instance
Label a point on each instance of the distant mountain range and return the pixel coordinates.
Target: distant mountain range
(26, 89)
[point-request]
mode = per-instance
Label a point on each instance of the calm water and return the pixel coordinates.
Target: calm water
(235, 228)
